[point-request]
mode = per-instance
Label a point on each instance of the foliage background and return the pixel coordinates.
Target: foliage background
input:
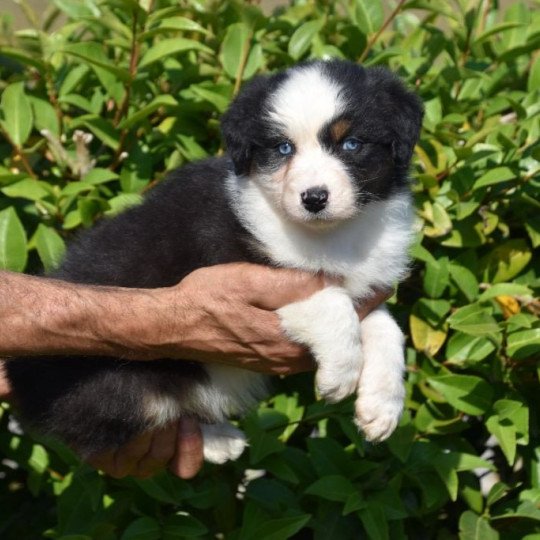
(94, 113)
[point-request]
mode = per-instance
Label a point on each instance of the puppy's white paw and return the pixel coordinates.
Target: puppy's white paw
(378, 413)
(328, 324)
(222, 442)
(381, 392)
(334, 385)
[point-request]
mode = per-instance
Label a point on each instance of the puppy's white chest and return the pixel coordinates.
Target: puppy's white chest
(369, 250)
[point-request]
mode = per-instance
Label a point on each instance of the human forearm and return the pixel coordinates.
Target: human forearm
(46, 316)
(222, 314)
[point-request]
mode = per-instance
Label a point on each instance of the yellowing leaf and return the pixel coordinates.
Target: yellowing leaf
(426, 338)
(509, 305)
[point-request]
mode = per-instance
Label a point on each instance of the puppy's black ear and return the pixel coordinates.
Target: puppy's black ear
(408, 126)
(241, 124)
(401, 110)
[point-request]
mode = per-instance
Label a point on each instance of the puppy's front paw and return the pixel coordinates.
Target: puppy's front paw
(222, 442)
(328, 324)
(378, 411)
(335, 383)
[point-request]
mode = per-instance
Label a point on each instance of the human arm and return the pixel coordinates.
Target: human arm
(222, 314)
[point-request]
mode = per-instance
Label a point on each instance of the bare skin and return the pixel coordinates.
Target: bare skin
(224, 314)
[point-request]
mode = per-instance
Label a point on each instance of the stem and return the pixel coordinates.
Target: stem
(376, 36)
(20, 154)
(242, 65)
(122, 109)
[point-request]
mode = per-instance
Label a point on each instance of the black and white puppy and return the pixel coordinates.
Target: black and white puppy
(316, 179)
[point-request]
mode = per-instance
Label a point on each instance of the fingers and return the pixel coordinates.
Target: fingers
(123, 461)
(161, 451)
(367, 305)
(271, 288)
(188, 458)
(178, 445)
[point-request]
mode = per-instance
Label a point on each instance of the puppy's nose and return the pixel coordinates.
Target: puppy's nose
(314, 199)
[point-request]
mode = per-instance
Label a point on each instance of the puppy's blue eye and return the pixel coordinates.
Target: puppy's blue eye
(350, 144)
(285, 148)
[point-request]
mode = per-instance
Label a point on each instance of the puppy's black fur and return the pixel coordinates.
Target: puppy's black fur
(186, 223)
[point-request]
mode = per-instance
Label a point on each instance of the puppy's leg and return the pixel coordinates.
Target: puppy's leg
(328, 324)
(381, 391)
(222, 442)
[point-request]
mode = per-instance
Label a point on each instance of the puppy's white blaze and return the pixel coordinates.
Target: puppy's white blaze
(304, 103)
(313, 167)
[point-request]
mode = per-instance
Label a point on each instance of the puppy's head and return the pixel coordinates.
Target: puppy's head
(323, 139)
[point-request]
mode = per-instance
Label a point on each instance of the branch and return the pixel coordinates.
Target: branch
(376, 36)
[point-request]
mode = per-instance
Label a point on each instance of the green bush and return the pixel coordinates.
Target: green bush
(95, 109)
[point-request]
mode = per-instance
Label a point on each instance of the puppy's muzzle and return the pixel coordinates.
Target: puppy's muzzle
(314, 199)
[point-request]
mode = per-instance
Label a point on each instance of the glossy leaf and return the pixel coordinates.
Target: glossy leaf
(466, 393)
(12, 241)
(17, 113)
(302, 38)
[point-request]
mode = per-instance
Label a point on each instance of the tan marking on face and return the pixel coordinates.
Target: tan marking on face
(339, 128)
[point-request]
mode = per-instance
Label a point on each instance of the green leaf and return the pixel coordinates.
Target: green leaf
(28, 188)
(523, 344)
(143, 528)
(77, 9)
(332, 488)
(219, 101)
(170, 47)
(182, 526)
(17, 113)
(496, 493)
(278, 529)
(464, 349)
(45, 116)
(494, 176)
(13, 253)
(50, 247)
(473, 319)
(235, 48)
(466, 393)
(94, 53)
(436, 277)
(533, 82)
(369, 15)
(533, 228)
(374, 522)
(506, 261)
(122, 202)
(502, 27)
(505, 433)
(474, 527)
(465, 280)
(99, 176)
(173, 24)
(303, 37)
(508, 289)
(158, 102)
(39, 459)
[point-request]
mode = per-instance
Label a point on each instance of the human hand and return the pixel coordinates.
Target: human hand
(178, 446)
(226, 314)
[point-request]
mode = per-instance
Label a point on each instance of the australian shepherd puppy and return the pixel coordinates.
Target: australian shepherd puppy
(315, 178)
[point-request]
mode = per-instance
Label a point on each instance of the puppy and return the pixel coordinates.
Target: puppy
(315, 178)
